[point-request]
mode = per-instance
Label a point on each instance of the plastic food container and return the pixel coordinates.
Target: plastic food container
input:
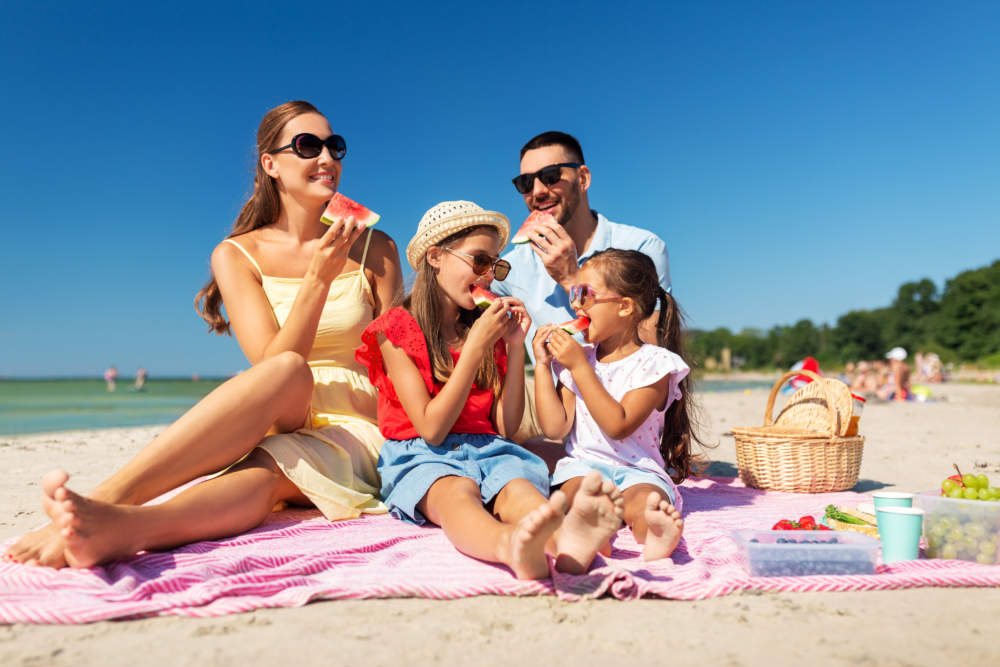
(857, 407)
(794, 553)
(962, 529)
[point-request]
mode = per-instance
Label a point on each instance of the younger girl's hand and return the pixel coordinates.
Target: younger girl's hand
(330, 257)
(565, 350)
(539, 345)
(520, 322)
(491, 324)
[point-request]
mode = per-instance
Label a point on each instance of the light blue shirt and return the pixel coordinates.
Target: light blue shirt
(545, 299)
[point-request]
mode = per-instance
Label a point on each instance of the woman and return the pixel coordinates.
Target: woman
(294, 290)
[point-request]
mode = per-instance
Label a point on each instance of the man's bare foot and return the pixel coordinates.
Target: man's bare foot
(94, 531)
(593, 519)
(526, 554)
(663, 527)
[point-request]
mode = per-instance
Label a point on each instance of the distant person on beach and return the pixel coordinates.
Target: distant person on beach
(296, 291)
(110, 376)
(451, 394)
(896, 386)
(554, 178)
(623, 403)
(140, 379)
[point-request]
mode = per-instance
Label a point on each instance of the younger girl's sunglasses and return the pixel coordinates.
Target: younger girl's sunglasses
(308, 146)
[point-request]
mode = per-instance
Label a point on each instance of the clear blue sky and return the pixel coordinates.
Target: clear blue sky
(800, 159)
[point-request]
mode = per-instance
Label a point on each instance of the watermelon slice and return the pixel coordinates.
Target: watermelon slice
(483, 297)
(524, 233)
(574, 327)
(340, 207)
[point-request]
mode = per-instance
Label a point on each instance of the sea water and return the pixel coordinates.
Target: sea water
(35, 406)
(38, 406)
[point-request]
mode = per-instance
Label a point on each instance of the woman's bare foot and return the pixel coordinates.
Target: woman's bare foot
(526, 549)
(593, 519)
(44, 546)
(663, 527)
(94, 531)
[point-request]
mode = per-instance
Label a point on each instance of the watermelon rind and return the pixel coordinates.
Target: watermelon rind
(576, 326)
(522, 235)
(483, 297)
(341, 207)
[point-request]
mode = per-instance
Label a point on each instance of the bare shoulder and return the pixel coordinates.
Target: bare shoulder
(383, 248)
(227, 257)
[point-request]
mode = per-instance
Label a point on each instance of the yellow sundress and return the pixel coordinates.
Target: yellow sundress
(333, 460)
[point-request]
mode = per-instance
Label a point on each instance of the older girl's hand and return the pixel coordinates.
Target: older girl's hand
(491, 324)
(565, 350)
(330, 257)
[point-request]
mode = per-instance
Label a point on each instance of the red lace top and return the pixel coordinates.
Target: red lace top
(399, 327)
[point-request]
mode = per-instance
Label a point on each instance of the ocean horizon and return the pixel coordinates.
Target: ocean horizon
(41, 405)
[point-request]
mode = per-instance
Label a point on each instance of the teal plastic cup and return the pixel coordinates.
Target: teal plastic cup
(892, 499)
(899, 529)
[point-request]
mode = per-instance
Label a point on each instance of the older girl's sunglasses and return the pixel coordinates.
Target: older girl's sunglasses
(549, 175)
(482, 263)
(308, 146)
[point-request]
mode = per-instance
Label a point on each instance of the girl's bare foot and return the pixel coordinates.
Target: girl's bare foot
(593, 519)
(663, 527)
(94, 531)
(526, 549)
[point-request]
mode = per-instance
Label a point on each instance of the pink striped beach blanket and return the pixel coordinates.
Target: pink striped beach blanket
(297, 556)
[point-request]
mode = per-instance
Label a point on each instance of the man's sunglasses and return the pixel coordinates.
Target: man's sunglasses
(549, 175)
(482, 263)
(308, 146)
(583, 293)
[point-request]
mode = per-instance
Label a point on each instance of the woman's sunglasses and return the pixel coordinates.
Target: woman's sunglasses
(584, 293)
(549, 175)
(308, 146)
(482, 263)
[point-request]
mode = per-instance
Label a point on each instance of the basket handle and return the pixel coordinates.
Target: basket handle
(768, 419)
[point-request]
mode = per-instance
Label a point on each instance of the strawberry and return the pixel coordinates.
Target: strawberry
(820, 526)
(807, 523)
(785, 524)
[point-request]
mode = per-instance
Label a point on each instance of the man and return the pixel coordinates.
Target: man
(554, 178)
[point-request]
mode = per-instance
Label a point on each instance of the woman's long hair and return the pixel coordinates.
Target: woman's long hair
(632, 274)
(262, 208)
(425, 303)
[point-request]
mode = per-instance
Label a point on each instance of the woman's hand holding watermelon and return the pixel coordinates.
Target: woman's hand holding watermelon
(330, 257)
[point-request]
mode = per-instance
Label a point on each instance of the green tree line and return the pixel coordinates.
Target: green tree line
(961, 323)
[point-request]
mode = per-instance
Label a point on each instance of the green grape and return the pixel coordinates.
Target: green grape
(982, 481)
(956, 493)
(938, 530)
(984, 494)
(993, 499)
(949, 551)
(933, 541)
(949, 484)
(984, 559)
(970, 481)
(970, 493)
(994, 492)
(931, 551)
(988, 548)
(975, 530)
(955, 534)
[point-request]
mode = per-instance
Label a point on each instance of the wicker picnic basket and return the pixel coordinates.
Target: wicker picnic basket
(804, 450)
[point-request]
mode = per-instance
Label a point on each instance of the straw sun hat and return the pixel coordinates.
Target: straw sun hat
(450, 217)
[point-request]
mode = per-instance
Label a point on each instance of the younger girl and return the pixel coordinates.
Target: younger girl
(623, 403)
(451, 391)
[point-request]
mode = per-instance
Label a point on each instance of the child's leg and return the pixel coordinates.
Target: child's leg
(455, 504)
(215, 433)
(95, 531)
(654, 521)
(594, 515)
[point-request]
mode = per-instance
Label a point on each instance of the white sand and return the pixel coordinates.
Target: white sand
(910, 447)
